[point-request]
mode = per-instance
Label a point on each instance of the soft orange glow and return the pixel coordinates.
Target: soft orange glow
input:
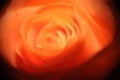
(55, 35)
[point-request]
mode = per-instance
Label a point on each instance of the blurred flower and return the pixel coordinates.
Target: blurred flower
(55, 35)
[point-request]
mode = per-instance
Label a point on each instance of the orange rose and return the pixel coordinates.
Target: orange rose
(54, 35)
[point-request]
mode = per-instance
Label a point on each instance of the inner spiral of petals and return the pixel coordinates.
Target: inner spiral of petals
(52, 37)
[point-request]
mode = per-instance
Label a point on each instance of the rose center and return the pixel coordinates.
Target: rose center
(52, 37)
